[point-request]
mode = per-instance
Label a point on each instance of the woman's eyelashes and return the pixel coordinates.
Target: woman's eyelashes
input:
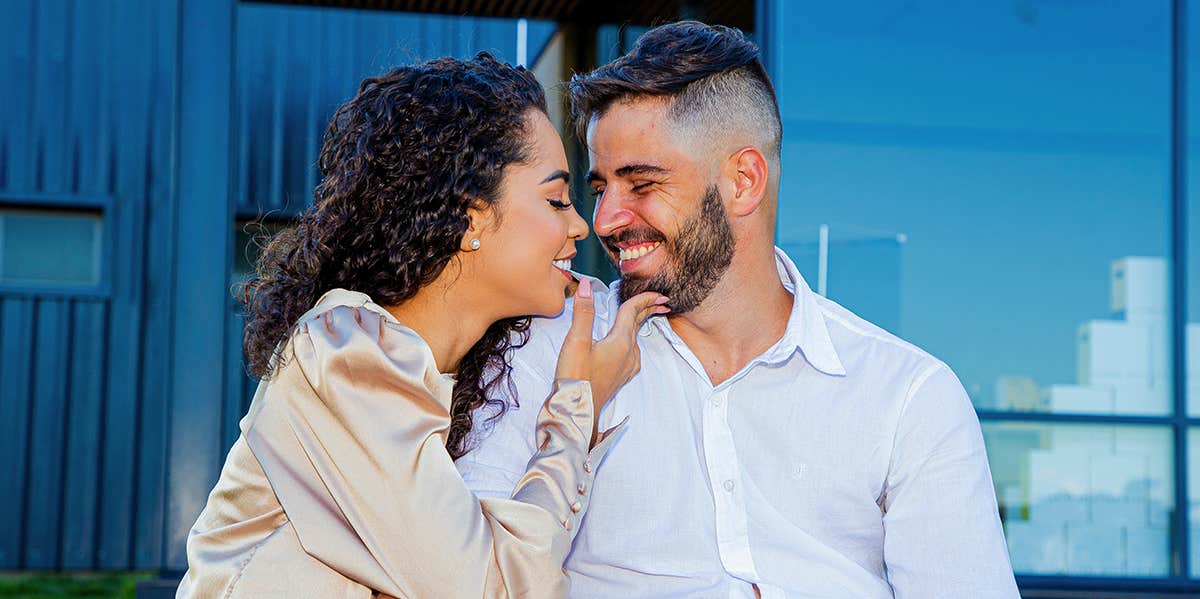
(559, 204)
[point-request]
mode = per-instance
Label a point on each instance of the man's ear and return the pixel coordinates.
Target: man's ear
(748, 170)
(482, 219)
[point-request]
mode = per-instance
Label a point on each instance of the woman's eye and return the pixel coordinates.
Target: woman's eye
(559, 204)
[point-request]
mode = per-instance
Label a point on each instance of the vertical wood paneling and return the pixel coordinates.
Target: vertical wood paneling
(48, 433)
(86, 393)
(326, 53)
(84, 440)
(201, 283)
(157, 290)
(16, 341)
(20, 33)
(233, 404)
(51, 87)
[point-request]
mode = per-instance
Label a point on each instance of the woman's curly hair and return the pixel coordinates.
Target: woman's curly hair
(401, 163)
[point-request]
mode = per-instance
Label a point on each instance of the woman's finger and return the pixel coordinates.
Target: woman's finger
(574, 359)
(584, 315)
(635, 310)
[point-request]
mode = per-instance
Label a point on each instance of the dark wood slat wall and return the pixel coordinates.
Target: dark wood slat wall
(16, 328)
(326, 53)
(89, 415)
(91, 117)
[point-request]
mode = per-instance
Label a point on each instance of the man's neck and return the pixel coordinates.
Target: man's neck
(744, 315)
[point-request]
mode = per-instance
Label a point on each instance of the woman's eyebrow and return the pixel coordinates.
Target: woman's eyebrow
(559, 174)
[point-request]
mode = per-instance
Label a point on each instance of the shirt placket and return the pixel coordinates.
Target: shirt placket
(724, 477)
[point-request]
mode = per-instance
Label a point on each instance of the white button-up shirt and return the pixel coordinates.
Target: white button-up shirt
(842, 462)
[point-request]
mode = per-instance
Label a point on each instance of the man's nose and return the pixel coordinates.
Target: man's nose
(610, 215)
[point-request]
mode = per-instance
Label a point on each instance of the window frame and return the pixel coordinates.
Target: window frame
(67, 203)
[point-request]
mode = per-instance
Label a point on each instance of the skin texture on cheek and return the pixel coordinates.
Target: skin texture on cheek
(698, 257)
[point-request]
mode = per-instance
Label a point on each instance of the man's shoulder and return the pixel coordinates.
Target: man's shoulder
(867, 346)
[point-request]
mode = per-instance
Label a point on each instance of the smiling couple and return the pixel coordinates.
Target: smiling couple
(705, 427)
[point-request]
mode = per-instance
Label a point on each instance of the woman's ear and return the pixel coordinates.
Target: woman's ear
(480, 215)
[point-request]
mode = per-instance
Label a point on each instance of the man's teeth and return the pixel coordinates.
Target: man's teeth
(639, 251)
(563, 264)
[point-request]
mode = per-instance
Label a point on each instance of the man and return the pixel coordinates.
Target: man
(777, 445)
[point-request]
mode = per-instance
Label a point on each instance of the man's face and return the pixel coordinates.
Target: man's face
(659, 213)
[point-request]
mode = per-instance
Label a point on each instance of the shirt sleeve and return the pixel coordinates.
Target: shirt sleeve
(942, 530)
(501, 452)
(353, 444)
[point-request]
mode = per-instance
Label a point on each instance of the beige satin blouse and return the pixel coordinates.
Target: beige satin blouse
(340, 484)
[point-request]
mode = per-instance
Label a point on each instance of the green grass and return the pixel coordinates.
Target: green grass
(56, 586)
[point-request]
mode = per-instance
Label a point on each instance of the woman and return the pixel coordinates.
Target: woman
(379, 326)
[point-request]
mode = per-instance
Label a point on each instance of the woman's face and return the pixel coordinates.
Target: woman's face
(527, 240)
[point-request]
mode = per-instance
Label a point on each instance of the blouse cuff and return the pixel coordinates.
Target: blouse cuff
(560, 474)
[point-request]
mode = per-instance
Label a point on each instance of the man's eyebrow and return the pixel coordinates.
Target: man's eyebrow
(559, 174)
(629, 169)
(640, 169)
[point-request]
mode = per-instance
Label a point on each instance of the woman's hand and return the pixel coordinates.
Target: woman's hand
(610, 362)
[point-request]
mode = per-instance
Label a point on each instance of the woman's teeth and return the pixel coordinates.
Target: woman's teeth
(562, 264)
(639, 251)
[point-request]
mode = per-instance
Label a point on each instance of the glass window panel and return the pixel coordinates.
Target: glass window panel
(54, 248)
(994, 184)
(1084, 500)
(1193, 511)
(1192, 209)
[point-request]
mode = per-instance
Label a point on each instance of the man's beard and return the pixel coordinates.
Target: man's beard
(697, 257)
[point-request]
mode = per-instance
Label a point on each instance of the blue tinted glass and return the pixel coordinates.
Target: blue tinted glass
(49, 248)
(994, 183)
(1191, 329)
(1083, 499)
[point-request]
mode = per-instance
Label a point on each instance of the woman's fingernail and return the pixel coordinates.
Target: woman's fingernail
(662, 299)
(662, 309)
(585, 288)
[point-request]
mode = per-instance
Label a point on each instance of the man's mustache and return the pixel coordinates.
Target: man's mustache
(631, 237)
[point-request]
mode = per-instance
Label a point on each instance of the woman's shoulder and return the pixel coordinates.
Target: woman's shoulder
(354, 311)
(348, 326)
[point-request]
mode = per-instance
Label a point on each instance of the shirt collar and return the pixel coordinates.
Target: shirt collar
(806, 330)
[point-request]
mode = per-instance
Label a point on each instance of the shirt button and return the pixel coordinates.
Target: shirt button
(575, 507)
(716, 401)
(587, 466)
(728, 485)
(582, 488)
(567, 524)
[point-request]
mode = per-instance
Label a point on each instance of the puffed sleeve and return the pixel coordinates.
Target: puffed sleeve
(351, 435)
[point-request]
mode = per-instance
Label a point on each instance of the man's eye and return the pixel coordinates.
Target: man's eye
(643, 186)
(597, 192)
(561, 205)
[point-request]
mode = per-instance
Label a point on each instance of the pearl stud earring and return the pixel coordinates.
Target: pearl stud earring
(474, 244)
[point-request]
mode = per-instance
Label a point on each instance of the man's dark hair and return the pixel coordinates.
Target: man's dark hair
(711, 75)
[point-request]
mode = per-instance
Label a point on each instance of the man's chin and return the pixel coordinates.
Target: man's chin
(632, 285)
